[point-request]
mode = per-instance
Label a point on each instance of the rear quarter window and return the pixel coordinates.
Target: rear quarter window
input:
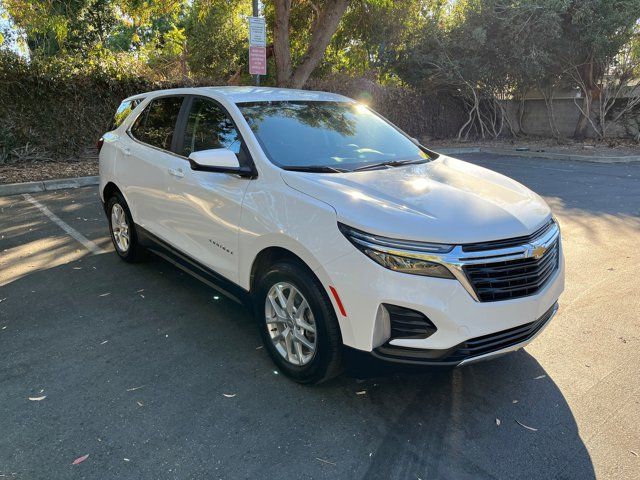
(123, 111)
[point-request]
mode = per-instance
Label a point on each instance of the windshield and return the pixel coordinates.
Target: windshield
(327, 136)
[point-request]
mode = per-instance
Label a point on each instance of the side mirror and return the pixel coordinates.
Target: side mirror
(220, 160)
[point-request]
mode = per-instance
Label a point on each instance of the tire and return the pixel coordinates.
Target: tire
(118, 208)
(326, 360)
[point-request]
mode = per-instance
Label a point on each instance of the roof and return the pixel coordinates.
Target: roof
(253, 94)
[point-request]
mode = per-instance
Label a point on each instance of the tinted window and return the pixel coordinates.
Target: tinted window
(156, 124)
(125, 108)
(331, 134)
(209, 126)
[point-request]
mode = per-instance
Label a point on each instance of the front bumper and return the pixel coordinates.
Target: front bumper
(470, 351)
(363, 286)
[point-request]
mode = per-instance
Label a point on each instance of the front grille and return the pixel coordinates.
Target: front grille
(513, 278)
(407, 323)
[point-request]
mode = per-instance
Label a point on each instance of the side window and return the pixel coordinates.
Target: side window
(209, 126)
(157, 123)
(125, 108)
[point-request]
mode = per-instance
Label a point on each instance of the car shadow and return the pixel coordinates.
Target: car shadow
(503, 418)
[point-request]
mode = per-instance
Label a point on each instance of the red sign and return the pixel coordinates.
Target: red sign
(257, 60)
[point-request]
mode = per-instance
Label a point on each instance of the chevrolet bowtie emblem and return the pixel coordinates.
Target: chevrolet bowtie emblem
(538, 251)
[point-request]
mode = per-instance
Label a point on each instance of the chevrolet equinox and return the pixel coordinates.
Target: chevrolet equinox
(336, 226)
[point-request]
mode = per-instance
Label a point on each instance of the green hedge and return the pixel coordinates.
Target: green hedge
(58, 111)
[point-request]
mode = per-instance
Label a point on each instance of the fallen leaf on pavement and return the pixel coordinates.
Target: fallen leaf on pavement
(104, 342)
(80, 459)
(361, 392)
(498, 422)
(2, 300)
(37, 399)
(140, 404)
(515, 401)
(229, 395)
(525, 426)
(126, 460)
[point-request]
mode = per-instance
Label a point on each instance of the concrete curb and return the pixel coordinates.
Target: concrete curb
(47, 185)
(544, 155)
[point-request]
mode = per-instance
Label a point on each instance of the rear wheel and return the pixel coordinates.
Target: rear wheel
(123, 231)
(297, 323)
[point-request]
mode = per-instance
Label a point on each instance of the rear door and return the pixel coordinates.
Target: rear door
(206, 206)
(147, 156)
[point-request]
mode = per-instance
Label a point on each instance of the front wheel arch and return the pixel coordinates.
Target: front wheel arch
(270, 256)
(327, 362)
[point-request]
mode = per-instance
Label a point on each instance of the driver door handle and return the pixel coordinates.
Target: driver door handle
(176, 172)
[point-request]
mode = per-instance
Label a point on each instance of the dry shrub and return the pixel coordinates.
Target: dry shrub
(58, 111)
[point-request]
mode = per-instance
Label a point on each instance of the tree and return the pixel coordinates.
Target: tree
(325, 22)
(217, 32)
(483, 51)
(372, 34)
(54, 27)
(593, 34)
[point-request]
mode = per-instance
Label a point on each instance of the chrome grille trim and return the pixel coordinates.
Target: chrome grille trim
(457, 258)
(462, 262)
(509, 242)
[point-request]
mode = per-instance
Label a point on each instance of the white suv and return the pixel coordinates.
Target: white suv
(338, 228)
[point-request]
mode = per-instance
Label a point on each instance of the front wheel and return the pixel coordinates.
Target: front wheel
(297, 323)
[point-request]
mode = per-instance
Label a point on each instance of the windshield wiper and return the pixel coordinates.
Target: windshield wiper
(316, 169)
(390, 163)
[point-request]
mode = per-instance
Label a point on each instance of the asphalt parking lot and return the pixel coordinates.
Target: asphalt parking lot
(154, 375)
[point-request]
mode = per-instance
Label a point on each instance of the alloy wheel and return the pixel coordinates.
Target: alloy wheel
(290, 323)
(120, 228)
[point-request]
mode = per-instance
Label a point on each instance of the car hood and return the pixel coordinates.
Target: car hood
(445, 201)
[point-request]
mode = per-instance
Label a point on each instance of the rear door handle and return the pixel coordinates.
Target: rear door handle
(176, 172)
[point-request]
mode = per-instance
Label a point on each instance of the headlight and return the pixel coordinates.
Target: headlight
(400, 255)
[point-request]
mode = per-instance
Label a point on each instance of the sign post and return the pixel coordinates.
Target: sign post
(257, 44)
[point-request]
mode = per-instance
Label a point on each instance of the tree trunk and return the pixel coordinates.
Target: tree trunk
(325, 26)
(323, 29)
(583, 121)
(281, 44)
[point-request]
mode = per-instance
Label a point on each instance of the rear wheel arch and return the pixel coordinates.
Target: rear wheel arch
(109, 190)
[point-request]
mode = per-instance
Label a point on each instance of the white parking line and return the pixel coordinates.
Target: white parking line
(86, 243)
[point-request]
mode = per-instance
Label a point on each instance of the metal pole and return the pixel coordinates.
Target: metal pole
(256, 13)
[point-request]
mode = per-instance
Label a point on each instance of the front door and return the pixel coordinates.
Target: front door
(206, 206)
